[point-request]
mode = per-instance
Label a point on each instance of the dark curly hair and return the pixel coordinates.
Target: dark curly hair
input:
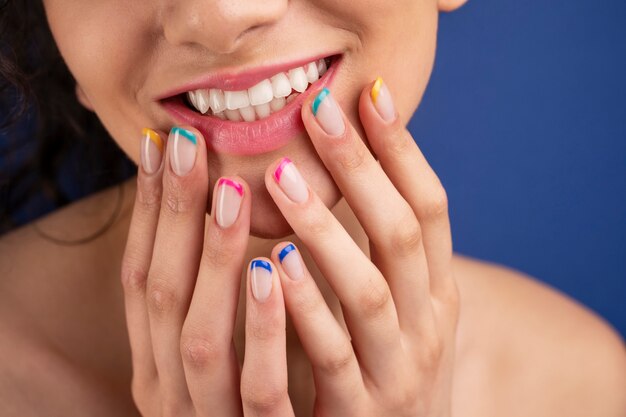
(52, 150)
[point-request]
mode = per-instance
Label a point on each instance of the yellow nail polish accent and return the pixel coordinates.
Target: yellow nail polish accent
(154, 137)
(376, 89)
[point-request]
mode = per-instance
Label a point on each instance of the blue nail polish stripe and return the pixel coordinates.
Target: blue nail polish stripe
(258, 263)
(285, 252)
(186, 134)
(318, 100)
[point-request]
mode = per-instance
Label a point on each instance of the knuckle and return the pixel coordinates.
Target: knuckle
(338, 362)
(317, 225)
(219, 253)
(374, 299)
(262, 399)
(431, 354)
(148, 195)
(133, 279)
(403, 398)
(436, 206)
(178, 199)
(270, 328)
(162, 298)
(200, 352)
(399, 142)
(406, 236)
(352, 160)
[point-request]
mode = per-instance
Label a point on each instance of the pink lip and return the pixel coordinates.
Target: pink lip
(250, 138)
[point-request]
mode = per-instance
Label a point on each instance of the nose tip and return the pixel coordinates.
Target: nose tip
(219, 25)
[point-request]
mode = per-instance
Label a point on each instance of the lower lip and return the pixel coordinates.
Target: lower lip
(250, 138)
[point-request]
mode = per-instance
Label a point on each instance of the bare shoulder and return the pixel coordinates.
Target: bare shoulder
(537, 351)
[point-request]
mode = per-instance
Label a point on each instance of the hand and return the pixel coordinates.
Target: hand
(181, 274)
(401, 308)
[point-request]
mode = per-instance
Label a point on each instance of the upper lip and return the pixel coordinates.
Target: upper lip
(236, 80)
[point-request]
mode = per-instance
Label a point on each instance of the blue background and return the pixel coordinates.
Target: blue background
(525, 122)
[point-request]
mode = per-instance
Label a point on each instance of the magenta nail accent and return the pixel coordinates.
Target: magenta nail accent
(231, 183)
(281, 167)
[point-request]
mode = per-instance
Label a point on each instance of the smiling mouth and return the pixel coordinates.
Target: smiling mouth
(260, 101)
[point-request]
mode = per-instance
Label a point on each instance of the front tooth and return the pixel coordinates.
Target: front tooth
(216, 100)
(281, 85)
(233, 115)
(263, 110)
(261, 93)
(202, 100)
(220, 115)
(312, 74)
(236, 99)
(277, 103)
(291, 98)
(297, 78)
(248, 113)
(321, 67)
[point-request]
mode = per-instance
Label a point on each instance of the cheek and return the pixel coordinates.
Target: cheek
(99, 42)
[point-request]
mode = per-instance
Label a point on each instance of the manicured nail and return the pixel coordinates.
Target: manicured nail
(291, 182)
(381, 97)
(229, 198)
(326, 111)
(151, 150)
(261, 279)
(183, 150)
(291, 262)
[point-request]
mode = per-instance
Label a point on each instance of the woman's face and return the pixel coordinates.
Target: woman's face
(135, 60)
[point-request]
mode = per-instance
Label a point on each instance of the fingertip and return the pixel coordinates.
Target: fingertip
(261, 277)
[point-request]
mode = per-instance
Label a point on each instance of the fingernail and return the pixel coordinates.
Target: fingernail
(381, 97)
(151, 150)
(183, 150)
(229, 198)
(291, 262)
(261, 279)
(291, 182)
(326, 111)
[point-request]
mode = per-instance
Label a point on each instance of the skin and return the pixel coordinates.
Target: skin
(412, 349)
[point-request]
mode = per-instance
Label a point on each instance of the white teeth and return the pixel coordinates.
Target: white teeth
(233, 115)
(321, 67)
(192, 98)
(202, 101)
(261, 93)
(277, 104)
(260, 100)
(216, 100)
(297, 78)
(236, 99)
(312, 74)
(248, 114)
(281, 85)
(263, 110)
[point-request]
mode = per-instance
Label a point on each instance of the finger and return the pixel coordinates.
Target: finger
(365, 297)
(138, 254)
(264, 375)
(209, 358)
(409, 170)
(338, 378)
(387, 218)
(176, 257)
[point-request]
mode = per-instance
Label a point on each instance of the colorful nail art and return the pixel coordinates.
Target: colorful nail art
(182, 150)
(381, 97)
(291, 262)
(151, 150)
(327, 113)
(291, 182)
(228, 202)
(261, 279)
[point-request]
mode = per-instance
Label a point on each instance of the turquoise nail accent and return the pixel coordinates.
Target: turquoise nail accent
(186, 134)
(318, 100)
(259, 263)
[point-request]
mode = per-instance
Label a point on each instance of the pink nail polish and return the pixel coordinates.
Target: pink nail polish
(228, 202)
(291, 182)
(381, 97)
(326, 111)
